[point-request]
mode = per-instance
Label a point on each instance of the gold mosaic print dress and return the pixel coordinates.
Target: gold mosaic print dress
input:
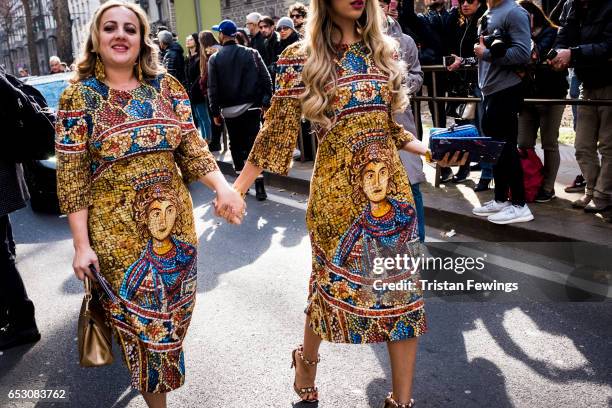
(361, 206)
(123, 155)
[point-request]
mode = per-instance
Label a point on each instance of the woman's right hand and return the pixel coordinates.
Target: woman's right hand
(84, 258)
(455, 65)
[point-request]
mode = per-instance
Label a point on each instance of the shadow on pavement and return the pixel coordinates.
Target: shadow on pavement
(224, 248)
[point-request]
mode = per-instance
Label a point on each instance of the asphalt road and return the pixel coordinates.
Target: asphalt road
(525, 351)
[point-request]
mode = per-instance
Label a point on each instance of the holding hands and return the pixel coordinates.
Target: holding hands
(230, 205)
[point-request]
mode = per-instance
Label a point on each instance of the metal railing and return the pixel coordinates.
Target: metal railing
(433, 69)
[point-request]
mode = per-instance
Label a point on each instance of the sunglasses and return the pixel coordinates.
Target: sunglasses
(467, 1)
(296, 16)
(283, 28)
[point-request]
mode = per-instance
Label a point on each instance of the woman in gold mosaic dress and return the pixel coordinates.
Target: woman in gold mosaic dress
(125, 144)
(346, 79)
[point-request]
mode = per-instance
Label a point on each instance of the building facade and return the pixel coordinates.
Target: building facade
(13, 43)
(81, 12)
(237, 10)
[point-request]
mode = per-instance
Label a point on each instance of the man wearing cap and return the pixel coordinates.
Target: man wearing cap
(256, 37)
(287, 32)
(239, 86)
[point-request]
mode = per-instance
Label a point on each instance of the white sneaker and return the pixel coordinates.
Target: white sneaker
(511, 214)
(490, 207)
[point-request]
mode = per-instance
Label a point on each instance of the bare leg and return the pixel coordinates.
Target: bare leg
(304, 374)
(403, 358)
(155, 400)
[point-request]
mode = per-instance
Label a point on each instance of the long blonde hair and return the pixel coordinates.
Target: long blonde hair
(320, 70)
(147, 58)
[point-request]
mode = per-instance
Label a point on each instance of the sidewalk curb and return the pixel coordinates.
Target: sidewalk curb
(436, 217)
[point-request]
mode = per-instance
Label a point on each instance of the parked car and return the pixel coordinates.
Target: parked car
(40, 174)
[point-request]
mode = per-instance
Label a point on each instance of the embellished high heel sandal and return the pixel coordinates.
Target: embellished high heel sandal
(303, 392)
(391, 403)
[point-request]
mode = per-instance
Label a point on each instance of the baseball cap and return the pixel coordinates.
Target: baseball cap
(227, 27)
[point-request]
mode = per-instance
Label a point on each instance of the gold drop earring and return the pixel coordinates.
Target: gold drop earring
(99, 70)
(139, 70)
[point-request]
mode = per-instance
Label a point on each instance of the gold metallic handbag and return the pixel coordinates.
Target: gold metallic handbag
(94, 334)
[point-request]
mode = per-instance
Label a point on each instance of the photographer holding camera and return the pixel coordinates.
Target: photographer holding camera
(585, 43)
(504, 46)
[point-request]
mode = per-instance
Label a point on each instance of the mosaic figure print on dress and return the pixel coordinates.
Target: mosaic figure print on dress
(348, 218)
(124, 156)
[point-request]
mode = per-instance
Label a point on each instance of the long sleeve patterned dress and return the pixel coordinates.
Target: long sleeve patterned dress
(123, 155)
(360, 207)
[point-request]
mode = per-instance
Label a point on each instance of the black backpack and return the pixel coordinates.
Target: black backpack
(27, 122)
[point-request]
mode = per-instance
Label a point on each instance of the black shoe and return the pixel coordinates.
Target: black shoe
(475, 167)
(214, 147)
(446, 174)
(577, 186)
(483, 185)
(11, 336)
(544, 196)
(260, 190)
(461, 175)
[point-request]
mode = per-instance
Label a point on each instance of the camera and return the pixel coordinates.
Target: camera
(496, 43)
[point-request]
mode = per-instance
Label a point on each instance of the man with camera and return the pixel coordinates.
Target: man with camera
(584, 42)
(504, 47)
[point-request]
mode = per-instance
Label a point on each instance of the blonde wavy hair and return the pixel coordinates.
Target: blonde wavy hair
(320, 70)
(147, 58)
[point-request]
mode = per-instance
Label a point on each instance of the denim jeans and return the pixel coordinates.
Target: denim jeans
(418, 203)
(574, 92)
(202, 120)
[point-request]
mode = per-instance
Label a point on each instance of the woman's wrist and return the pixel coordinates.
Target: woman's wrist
(81, 245)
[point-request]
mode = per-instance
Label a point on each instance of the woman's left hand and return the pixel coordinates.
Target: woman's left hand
(230, 205)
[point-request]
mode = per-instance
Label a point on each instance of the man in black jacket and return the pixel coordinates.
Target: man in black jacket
(239, 86)
(584, 42)
(272, 47)
(17, 323)
(433, 32)
(256, 38)
(173, 59)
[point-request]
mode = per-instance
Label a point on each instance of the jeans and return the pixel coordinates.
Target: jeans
(242, 131)
(574, 92)
(15, 306)
(418, 203)
(202, 119)
(546, 118)
(500, 122)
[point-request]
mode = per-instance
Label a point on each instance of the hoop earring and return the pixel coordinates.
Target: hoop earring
(99, 69)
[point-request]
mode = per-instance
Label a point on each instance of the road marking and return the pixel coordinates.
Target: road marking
(564, 279)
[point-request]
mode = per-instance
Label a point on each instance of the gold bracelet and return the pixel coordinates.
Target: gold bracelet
(428, 157)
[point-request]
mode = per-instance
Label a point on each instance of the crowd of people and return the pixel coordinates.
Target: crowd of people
(444, 34)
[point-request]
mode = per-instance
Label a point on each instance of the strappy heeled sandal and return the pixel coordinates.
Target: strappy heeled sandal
(391, 403)
(303, 392)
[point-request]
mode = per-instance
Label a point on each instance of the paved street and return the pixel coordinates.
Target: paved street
(249, 315)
